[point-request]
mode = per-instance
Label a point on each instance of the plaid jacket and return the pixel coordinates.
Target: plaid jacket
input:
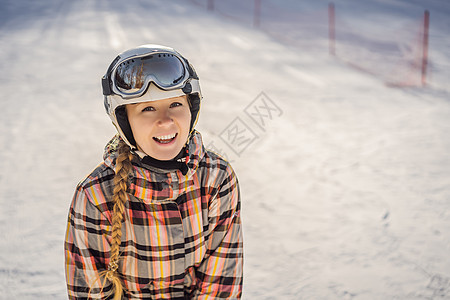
(181, 234)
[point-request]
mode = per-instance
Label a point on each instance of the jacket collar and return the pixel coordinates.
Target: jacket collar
(195, 152)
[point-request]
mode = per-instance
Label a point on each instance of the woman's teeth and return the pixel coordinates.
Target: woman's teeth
(164, 139)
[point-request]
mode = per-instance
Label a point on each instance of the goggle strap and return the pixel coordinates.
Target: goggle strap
(106, 79)
(191, 71)
(187, 89)
(105, 85)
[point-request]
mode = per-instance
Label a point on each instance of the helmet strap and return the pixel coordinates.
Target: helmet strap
(194, 106)
(122, 120)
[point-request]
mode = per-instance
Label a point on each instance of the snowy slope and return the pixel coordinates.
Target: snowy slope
(346, 190)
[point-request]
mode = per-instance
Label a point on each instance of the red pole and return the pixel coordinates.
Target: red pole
(257, 14)
(426, 26)
(210, 5)
(331, 29)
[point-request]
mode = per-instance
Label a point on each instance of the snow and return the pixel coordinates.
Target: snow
(345, 188)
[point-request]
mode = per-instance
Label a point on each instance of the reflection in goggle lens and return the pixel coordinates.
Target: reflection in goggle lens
(166, 70)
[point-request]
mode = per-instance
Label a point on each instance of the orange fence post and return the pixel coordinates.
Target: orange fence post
(210, 5)
(331, 29)
(257, 14)
(426, 26)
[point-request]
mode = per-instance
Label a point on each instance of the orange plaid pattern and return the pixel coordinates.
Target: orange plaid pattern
(181, 234)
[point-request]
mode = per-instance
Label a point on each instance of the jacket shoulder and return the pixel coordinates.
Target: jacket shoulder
(99, 175)
(212, 159)
(97, 186)
(215, 166)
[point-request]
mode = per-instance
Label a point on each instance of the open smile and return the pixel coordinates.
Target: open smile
(165, 139)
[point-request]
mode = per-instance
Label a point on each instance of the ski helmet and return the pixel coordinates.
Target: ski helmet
(148, 73)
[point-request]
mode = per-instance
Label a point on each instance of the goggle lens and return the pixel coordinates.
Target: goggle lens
(165, 70)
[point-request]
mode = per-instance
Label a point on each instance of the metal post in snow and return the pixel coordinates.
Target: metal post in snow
(426, 26)
(210, 5)
(331, 29)
(257, 14)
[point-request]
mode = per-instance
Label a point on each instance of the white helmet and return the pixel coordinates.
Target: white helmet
(129, 77)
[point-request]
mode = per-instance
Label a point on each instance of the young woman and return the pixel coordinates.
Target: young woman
(159, 218)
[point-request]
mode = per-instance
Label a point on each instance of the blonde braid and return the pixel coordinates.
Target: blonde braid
(123, 168)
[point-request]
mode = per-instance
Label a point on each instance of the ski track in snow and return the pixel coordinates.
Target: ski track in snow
(346, 194)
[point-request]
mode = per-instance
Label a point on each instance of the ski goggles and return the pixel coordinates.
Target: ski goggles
(130, 77)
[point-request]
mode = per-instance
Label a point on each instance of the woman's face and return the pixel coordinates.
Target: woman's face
(160, 128)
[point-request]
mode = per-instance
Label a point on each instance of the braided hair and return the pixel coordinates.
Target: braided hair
(123, 168)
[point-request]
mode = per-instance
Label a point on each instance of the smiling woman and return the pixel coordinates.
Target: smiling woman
(159, 218)
(160, 128)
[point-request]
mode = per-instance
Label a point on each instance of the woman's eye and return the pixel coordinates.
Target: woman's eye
(149, 108)
(175, 104)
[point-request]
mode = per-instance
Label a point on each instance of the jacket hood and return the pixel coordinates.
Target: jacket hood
(195, 147)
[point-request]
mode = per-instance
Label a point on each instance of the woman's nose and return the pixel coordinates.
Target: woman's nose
(165, 118)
